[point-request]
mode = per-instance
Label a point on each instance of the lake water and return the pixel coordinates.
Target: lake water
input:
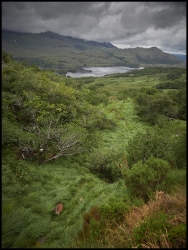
(100, 71)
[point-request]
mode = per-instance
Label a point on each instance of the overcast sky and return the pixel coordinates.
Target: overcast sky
(124, 24)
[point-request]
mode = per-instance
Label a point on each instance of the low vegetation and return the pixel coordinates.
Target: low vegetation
(112, 150)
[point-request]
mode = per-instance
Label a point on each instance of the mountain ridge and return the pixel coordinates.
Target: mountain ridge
(51, 50)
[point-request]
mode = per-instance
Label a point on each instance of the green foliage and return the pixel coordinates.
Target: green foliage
(95, 220)
(105, 165)
(174, 75)
(171, 85)
(122, 95)
(10, 133)
(148, 91)
(114, 209)
(21, 229)
(182, 104)
(150, 107)
(6, 57)
(154, 142)
(150, 71)
(177, 236)
(144, 178)
(174, 178)
(41, 104)
(152, 229)
(180, 150)
(94, 96)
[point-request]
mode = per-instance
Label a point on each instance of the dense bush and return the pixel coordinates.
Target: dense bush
(150, 107)
(114, 209)
(144, 178)
(154, 142)
(105, 165)
(171, 85)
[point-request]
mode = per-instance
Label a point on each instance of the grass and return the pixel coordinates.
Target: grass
(27, 209)
(128, 124)
(114, 85)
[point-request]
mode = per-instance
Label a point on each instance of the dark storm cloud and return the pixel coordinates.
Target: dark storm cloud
(126, 24)
(57, 9)
(169, 16)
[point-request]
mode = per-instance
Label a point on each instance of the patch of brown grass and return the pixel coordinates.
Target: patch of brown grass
(122, 234)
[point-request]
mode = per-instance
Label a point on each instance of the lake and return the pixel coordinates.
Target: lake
(99, 71)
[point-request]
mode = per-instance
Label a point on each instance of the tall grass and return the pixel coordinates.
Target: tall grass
(27, 207)
(128, 124)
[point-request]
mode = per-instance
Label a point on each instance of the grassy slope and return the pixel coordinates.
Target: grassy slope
(27, 208)
(64, 181)
(67, 181)
(35, 194)
(128, 124)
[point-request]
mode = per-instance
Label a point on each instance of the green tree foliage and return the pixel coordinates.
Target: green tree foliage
(154, 142)
(166, 143)
(179, 97)
(171, 85)
(177, 72)
(151, 106)
(148, 91)
(41, 111)
(181, 101)
(180, 150)
(144, 178)
(6, 57)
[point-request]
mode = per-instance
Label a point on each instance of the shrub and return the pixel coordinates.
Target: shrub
(180, 150)
(151, 229)
(177, 236)
(154, 142)
(174, 178)
(104, 165)
(115, 209)
(144, 178)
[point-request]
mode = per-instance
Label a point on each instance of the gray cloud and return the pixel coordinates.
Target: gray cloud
(125, 24)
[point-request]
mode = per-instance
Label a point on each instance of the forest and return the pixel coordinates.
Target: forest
(111, 149)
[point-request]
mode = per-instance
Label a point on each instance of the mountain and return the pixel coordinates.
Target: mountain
(180, 56)
(65, 53)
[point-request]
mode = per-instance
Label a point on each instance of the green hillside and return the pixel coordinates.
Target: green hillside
(51, 50)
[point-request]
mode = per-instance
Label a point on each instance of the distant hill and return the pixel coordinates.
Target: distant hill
(66, 53)
(180, 56)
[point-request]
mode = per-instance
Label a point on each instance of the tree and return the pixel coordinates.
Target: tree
(150, 106)
(180, 150)
(6, 57)
(53, 140)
